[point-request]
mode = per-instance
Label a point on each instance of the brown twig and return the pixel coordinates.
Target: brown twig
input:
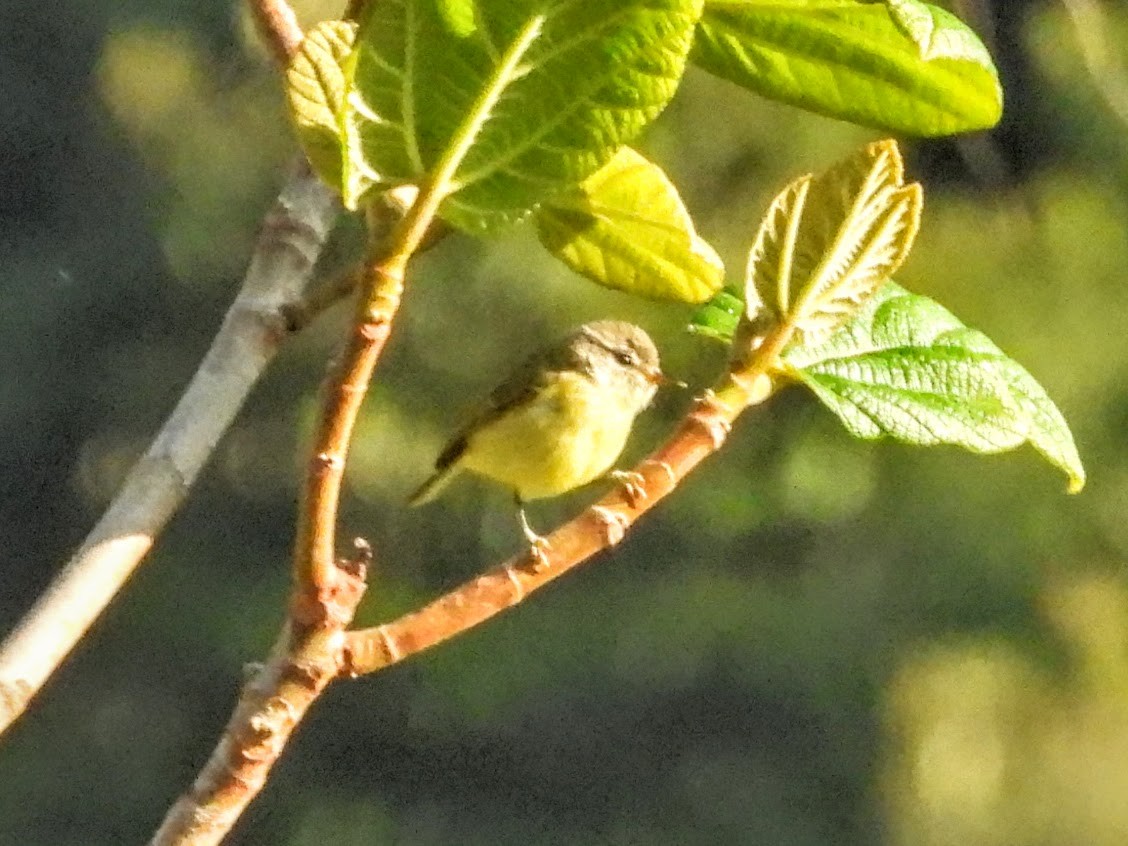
(382, 286)
(599, 527)
(343, 393)
(292, 236)
(308, 652)
(279, 27)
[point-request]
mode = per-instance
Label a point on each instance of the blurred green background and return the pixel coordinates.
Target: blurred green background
(816, 641)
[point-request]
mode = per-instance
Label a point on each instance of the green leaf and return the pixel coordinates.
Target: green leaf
(903, 65)
(625, 227)
(513, 103)
(906, 368)
(719, 317)
(829, 241)
(938, 33)
(317, 84)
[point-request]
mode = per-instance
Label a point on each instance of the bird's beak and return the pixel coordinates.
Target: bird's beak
(658, 378)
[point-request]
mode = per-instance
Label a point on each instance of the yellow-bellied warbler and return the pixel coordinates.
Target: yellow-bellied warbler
(560, 420)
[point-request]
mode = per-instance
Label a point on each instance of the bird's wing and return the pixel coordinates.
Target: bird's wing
(523, 384)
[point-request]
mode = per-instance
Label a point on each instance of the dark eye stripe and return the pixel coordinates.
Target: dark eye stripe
(628, 357)
(607, 347)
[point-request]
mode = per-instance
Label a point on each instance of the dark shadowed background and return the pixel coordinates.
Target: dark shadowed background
(816, 641)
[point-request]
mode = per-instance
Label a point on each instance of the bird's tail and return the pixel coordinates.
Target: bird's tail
(433, 486)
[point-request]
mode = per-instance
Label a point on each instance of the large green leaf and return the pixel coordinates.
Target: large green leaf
(625, 227)
(902, 65)
(506, 102)
(906, 368)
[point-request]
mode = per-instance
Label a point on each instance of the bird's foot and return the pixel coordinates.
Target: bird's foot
(634, 485)
(539, 547)
(614, 524)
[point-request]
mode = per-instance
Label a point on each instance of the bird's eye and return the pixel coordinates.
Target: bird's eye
(626, 359)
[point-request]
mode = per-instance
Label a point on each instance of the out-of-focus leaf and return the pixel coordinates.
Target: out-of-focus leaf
(906, 368)
(830, 241)
(903, 65)
(719, 317)
(515, 102)
(625, 227)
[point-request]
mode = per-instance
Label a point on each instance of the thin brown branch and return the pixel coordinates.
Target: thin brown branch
(308, 652)
(346, 385)
(343, 393)
(598, 528)
(279, 27)
(302, 663)
(292, 236)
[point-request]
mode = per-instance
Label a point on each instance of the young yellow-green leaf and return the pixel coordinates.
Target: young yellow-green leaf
(906, 368)
(318, 82)
(517, 101)
(625, 227)
(903, 65)
(829, 241)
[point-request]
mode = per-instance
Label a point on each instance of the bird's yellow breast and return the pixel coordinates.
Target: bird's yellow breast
(567, 435)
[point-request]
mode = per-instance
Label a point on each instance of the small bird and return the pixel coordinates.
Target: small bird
(559, 421)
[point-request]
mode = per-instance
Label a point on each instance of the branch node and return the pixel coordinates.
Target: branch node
(757, 387)
(374, 329)
(309, 675)
(329, 461)
(356, 565)
(394, 652)
(359, 644)
(332, 605)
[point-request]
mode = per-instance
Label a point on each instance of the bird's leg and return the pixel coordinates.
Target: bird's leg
(538, 545)
(634, 485)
